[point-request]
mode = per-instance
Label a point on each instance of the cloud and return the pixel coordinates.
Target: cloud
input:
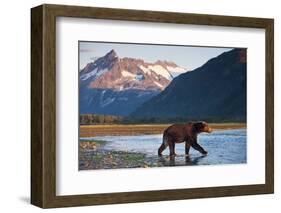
(86, 50)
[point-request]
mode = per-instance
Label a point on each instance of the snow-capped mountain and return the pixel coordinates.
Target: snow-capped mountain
(112, 72)
(110, 83)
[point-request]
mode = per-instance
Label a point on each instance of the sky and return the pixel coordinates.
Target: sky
(188, 57)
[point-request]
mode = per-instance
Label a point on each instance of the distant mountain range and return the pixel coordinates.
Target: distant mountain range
(215, 91)
(117, 86)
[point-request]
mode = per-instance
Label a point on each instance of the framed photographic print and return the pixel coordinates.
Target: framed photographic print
(137, 106)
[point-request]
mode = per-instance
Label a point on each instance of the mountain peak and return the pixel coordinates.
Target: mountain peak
(166, 63)
(111, 54)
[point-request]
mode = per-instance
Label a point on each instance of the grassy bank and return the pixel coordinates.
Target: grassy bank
(139, 129)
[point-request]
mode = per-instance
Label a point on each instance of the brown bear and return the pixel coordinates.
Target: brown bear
(178, 133)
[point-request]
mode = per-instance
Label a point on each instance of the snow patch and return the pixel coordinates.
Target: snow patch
(102, 95)
(158, 84)
(145, 70)
(94, 73)
(101, 72)
(139, 77)
(107, 102)
(160, 70)
(175, 71)
(125, 73)
(89, 74)
(144, 93)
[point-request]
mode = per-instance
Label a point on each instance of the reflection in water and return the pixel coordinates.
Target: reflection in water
(194, 161)
(179, 160)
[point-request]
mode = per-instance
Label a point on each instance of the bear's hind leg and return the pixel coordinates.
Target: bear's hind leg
(162, 148)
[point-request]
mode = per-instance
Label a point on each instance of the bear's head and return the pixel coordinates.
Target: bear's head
(202, 126)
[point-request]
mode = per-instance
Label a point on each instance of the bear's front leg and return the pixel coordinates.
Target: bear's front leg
(196, 146)
(187, 148)
(172, 149)
(199, 148)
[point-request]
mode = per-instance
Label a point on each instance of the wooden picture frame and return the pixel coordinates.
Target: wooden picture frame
(43, 105)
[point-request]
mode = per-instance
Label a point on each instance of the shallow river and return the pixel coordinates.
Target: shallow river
(223, 147)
